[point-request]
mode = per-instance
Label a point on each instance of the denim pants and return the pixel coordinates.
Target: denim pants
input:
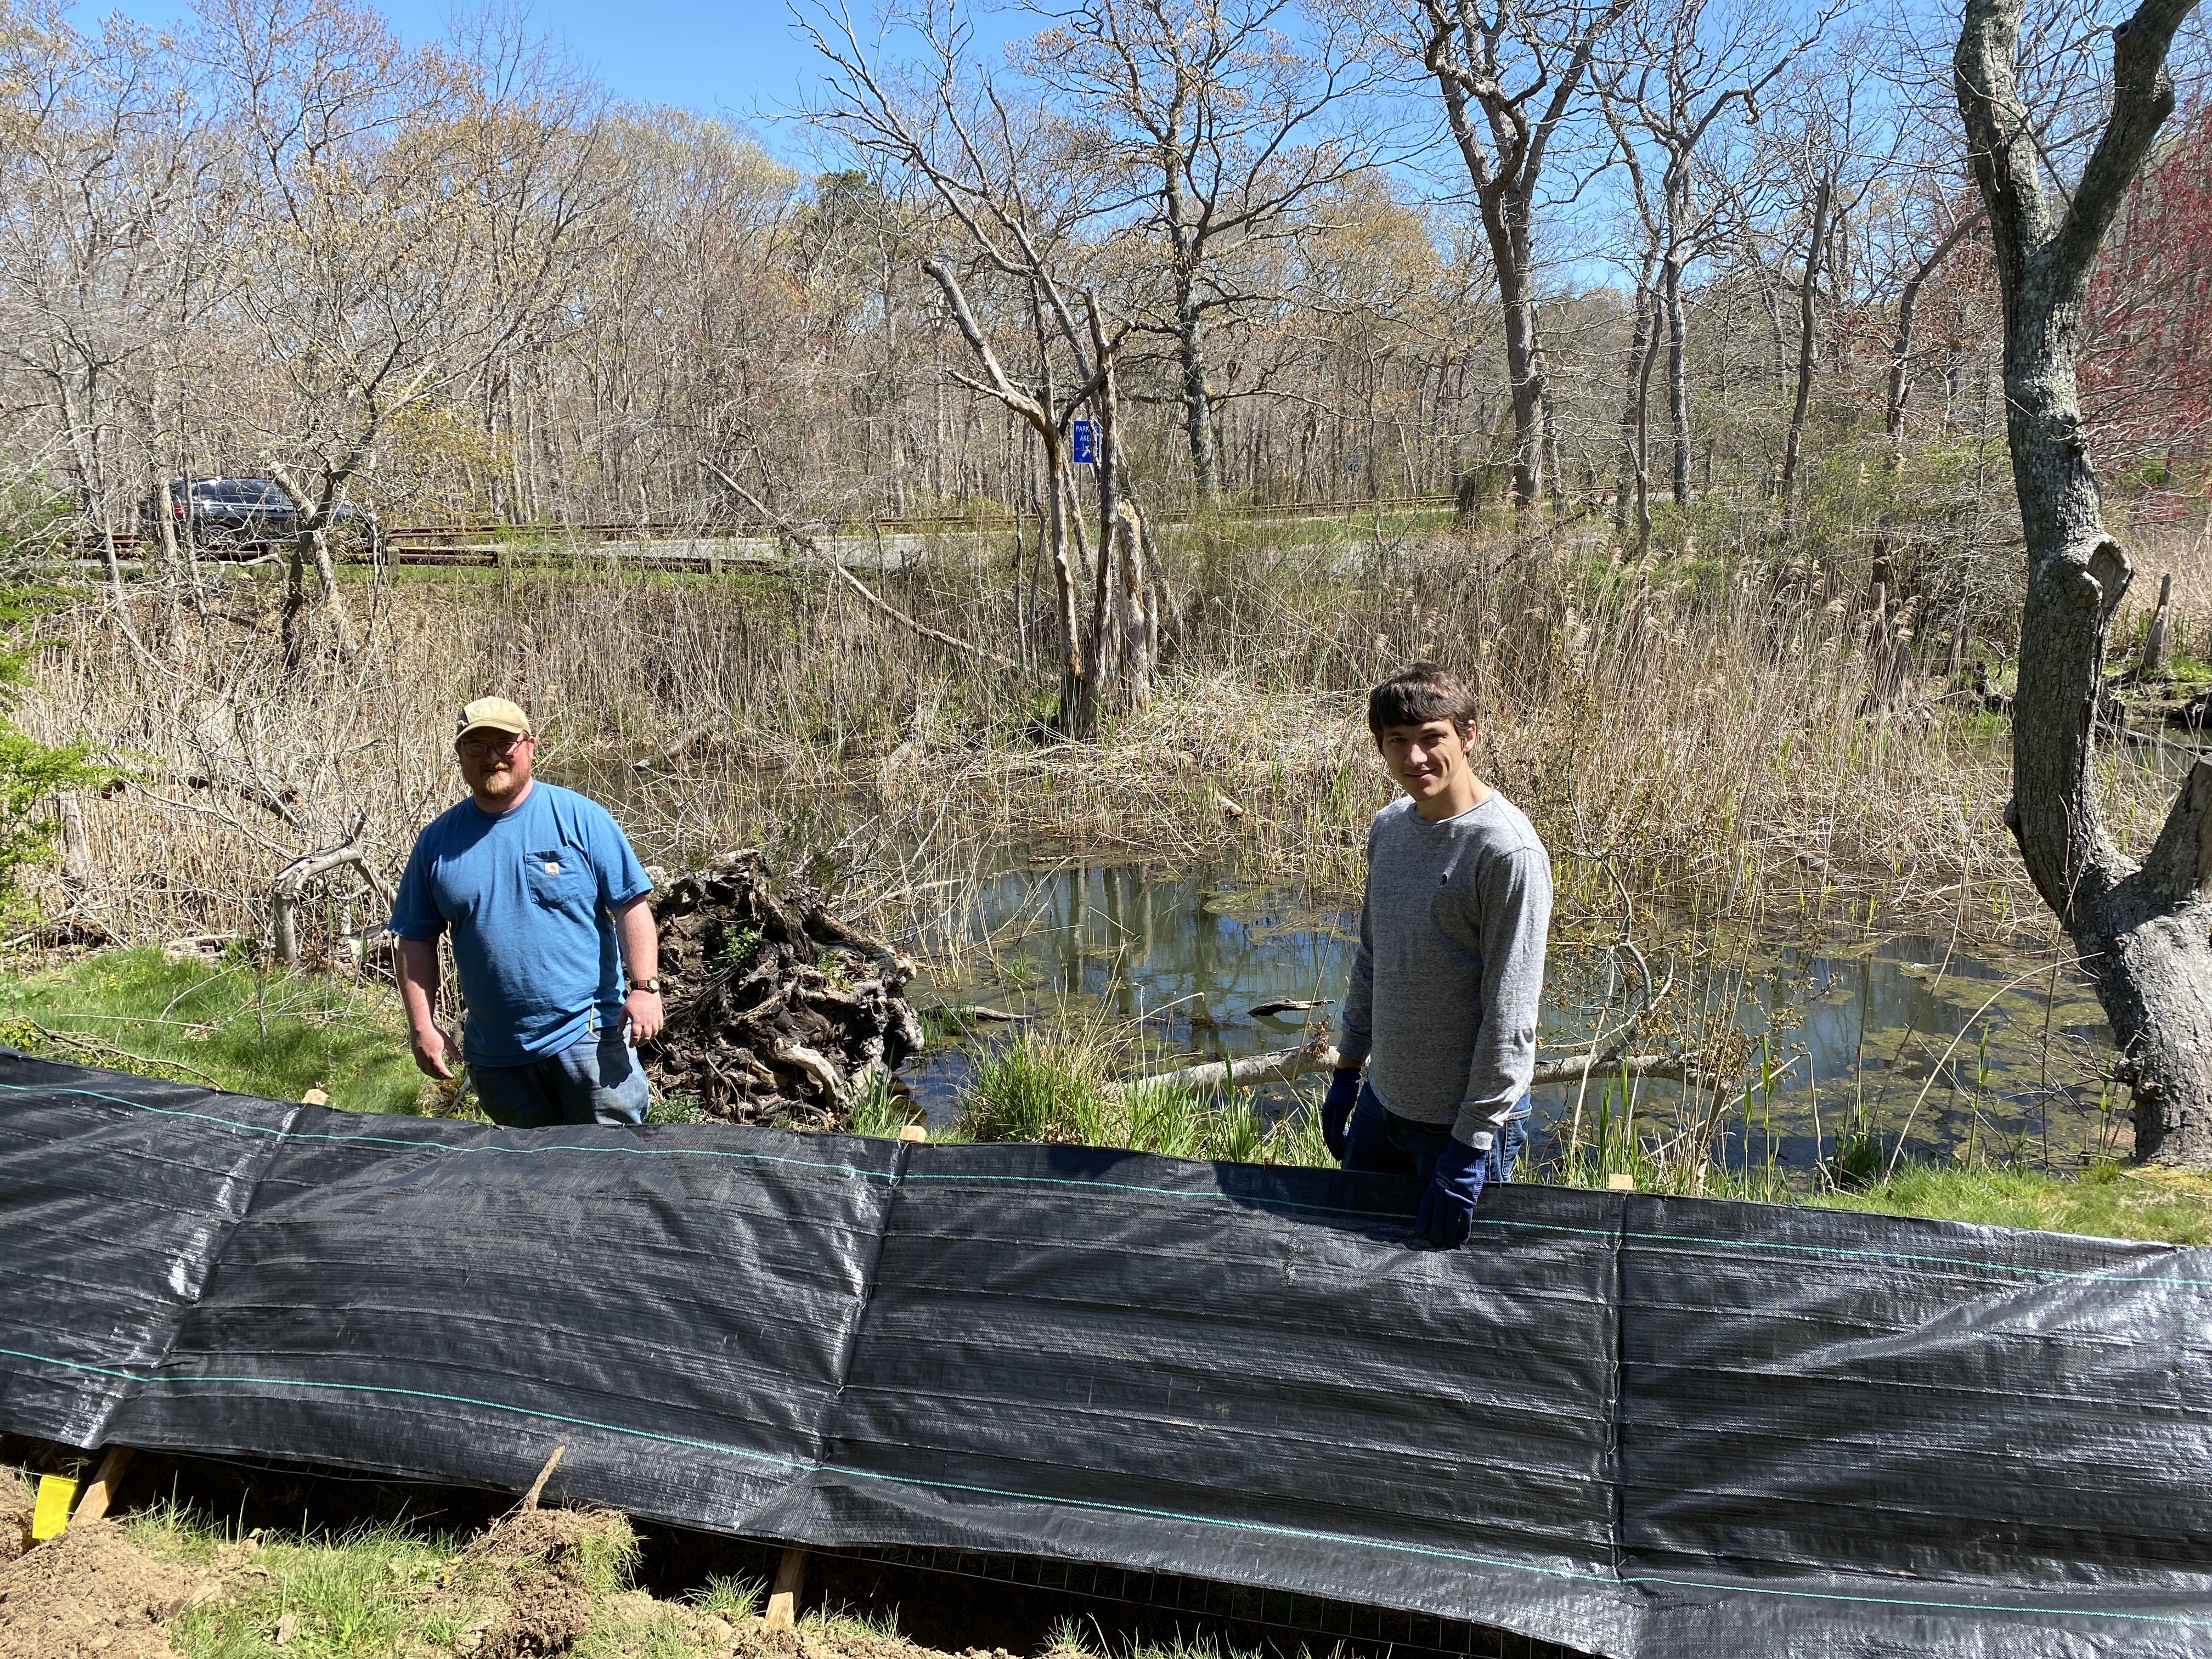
(595, 1079)
(1380, 1142)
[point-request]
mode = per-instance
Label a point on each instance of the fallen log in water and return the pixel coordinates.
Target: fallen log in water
(1282, 1065)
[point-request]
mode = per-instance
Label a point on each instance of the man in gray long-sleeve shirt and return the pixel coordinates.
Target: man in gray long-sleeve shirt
(1442, 1007)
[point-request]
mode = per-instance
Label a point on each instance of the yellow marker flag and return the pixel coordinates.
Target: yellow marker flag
(56, 1492)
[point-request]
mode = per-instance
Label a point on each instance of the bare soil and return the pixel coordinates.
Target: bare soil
(94, 1594)
(548, 1603)
(15, 1506)
(105, 1592)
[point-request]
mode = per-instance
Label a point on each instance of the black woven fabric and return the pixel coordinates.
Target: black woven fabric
(1632, 1426)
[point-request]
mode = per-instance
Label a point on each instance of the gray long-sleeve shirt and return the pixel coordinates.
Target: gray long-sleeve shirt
(1444, 991)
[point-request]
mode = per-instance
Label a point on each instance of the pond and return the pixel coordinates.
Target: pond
(1948, 1053)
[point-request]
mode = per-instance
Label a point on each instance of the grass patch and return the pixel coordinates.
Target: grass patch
(226, 1025)
(381, 1590)
(1050, 1087)
(2109, 1200)
(386, 1589)
(1055, 1087)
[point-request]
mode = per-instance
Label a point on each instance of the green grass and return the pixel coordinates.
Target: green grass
(227, 1024)
(2109, 1200)
(386, 1590)
(1055, 1088)
(734, 1598)
(1045, 1087)
(379, 1591)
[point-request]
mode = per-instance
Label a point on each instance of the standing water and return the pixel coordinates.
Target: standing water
(1890, 1041)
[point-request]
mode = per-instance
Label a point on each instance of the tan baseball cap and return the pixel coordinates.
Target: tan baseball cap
(493, 715)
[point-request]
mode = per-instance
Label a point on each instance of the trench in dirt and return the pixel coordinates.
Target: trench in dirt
(948, 1600)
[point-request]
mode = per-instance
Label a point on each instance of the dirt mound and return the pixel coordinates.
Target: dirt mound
(548, 1556)
(777, 1011)
(93, 1592)
(16, 1504)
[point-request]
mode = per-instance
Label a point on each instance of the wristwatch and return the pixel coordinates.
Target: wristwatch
(652, 985)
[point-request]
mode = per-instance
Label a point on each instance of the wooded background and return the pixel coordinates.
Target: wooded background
(1728, 247)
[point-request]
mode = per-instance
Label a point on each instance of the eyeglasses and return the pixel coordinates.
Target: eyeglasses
(479, 748)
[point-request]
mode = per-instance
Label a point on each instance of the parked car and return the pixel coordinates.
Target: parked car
(244, 513)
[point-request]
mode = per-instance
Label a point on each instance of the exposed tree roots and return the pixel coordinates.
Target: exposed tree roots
(777, 1011)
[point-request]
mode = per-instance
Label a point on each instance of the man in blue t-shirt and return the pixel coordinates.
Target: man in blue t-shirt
(546, 903)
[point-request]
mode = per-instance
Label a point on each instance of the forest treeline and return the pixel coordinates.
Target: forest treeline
(1615, 252)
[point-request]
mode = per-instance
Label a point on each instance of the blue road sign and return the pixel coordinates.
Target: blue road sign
(1084, 435)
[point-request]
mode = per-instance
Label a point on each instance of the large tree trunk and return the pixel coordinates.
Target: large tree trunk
(1524, 368)
(1197, 403)
(2144, 932)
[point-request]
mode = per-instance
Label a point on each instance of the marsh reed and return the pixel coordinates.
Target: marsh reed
(1690, 732)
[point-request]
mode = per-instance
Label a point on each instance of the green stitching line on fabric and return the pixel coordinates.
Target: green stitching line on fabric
(1837, 1251)
(1270, 1528)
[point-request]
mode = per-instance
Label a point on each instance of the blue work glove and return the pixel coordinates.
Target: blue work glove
(1336, 1111)
(1448, 1208)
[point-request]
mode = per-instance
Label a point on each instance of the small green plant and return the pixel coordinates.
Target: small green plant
(738, 946)
(880, 1108)
(1037, 1089)
(734, 1598)
(1855, 1163)
(1068, 1636)
(673, 1108)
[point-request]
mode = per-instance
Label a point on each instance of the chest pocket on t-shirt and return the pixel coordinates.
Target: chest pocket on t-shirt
(560, 880)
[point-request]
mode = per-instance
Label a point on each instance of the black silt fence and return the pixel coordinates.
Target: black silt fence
(1627, 1424)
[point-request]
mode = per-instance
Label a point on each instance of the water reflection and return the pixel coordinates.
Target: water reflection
(1952, 1053)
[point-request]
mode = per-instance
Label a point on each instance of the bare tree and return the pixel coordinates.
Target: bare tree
(1520, 67)
(1908, 308)
(1684, 65)
(1009, 177)
(1632, 470)
(412, 212)
(1224, 125)
(104, 178)
(2142, 928)
(1820, 222)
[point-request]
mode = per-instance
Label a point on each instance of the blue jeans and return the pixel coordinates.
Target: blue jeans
(595, 1079)
(1380, 1142)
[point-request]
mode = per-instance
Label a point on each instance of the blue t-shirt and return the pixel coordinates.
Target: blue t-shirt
(527, 893)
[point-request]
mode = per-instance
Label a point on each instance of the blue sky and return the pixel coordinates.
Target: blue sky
(740, 59)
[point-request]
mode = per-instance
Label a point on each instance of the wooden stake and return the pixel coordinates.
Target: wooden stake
(790, 1585)
(914, 1132)
(537, 1487)
(93, 1506)
(1621, 1183)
